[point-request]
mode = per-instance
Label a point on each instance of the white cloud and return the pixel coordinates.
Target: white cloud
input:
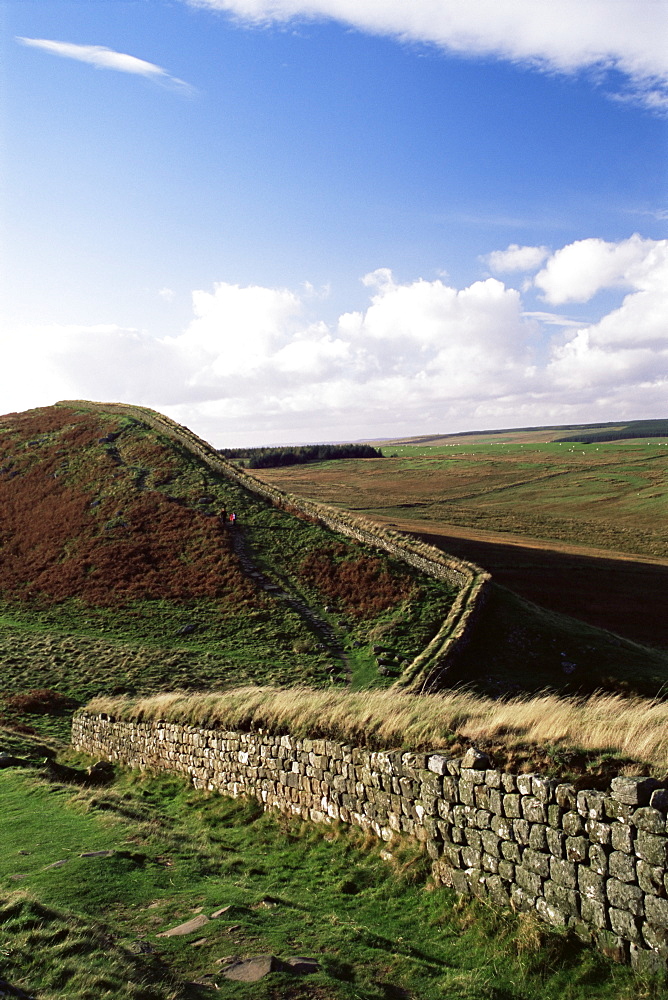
(578, 271)
(167, 294)
(255, 365)
(624, 356)
(627, 35)
(516, 258)
(101, 57)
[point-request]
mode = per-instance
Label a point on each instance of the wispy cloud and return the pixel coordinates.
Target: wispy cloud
(102, 57)
(628, 36)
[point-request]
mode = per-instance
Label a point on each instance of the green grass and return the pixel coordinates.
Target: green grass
(611, 495)
(294, 889)
(138, 645)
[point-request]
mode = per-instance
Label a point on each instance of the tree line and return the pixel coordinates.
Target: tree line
(267, 458)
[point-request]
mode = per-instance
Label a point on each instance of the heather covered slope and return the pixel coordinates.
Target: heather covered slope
(117, 574)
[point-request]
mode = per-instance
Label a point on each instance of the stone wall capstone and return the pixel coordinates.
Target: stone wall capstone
(593, 861)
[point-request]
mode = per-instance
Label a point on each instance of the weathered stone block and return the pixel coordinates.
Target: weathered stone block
(511, 805)
(475, 759)
(566, 796)
(511, 851)
(495, 797)
(430, 784)
(493, 778)
(598, 832)
(528, 880)
(521, 830)
(622, 837)
(459, 816)
(490, 863)
(554, 814)
(501, 827)
(508, 782)
(650, 878)
(561, 897)
(491, 843)
(659, 800)
(537, 838)
(507, 870)
(614, 809)
(624, 896)
(481, 796)
(444, 811)
(472, 775)
(551, 914)
(594, 913)
(652, 847)
(450, 790)
(522, 901)
(466, 792)
(572, 824)
(533, 810)
(622, 866)
(437, 763)
(656, 911)
(556, 842)
(577, 849)
(598, 859)
(650, 820)
(633, 791)
(524, 783)
(655, 937)
(536, 862)
(471, 857)
(543, 789)
(624, 924)
(563, 872)
(473, 837)
(408, 787)
(497, 890)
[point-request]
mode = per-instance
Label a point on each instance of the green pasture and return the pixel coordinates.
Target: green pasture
(610, 495)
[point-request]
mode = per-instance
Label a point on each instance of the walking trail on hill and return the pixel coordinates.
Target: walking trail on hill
(280, 592)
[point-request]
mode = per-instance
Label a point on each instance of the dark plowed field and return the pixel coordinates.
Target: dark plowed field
(616, 594)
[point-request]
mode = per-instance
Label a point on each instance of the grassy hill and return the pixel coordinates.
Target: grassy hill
(117, 573)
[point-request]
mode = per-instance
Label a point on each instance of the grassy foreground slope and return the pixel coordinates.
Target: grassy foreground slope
(117, 574)
(150, 853)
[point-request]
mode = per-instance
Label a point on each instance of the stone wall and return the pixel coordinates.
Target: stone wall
(430, 668)
(596, 862)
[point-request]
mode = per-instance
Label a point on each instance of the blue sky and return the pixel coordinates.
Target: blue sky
(297, 220)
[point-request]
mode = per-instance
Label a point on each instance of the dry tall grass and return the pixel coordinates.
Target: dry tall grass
(631, 728)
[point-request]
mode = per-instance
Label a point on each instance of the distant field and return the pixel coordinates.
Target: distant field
(511, 505)
(611, 496)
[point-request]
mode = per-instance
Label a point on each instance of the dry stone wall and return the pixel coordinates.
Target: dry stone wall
(593, 861)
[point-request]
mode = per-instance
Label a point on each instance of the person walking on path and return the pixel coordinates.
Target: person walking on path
(222, 517)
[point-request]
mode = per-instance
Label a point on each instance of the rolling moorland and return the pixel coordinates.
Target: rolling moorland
(577, 527)
(119, 580)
